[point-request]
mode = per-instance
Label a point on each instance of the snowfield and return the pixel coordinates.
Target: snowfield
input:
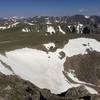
(50, 29)
(42, 69)
(80, 46)
(45, 70)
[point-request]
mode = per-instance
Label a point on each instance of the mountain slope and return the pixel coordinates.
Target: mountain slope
(58, 56)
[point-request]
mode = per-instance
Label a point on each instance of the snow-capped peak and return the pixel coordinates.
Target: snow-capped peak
(87, 17)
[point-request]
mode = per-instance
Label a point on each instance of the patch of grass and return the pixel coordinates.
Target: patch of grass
(13, 40)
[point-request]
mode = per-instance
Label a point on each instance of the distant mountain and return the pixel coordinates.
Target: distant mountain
(46, 24)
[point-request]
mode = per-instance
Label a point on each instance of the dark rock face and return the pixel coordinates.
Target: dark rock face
(86, 30)
(14, 88)
(86, 68)
(78, 92)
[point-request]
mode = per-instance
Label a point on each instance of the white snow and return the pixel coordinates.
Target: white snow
(45, 69)
(42, 69)
(9, 26)
(87, 17)
(3, 27)
(79, 28)
(14, 24)
(25, 30)
(38, 30)
(48, 21)
(50, 29)
(75, 46)
(49, 45)
(91, 90)
(61, 30)
(56, 21)
(69, 26)
(28, 23)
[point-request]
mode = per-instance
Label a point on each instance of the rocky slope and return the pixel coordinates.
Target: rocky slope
(74, 67)
(14, 88)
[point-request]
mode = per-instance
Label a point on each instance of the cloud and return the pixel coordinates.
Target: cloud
(81, 10)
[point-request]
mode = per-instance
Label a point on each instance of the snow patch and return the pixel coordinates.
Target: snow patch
(69, 26)
(79, 28)
(9, 26)
(91, 90)
(61, 30)
(14, 24)
(56, 21)
(75, 46)
(49, 45)
(25, 30)
(28, 23)
(87, 17)
(50, 29)
(48, 21)
(3, 27)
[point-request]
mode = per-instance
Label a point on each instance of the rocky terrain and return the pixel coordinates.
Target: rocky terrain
(14, 88)
(51, 25)
(50, 58)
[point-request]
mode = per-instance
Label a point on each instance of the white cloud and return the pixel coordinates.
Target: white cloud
(82, 10)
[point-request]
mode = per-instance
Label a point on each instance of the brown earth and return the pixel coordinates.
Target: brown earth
(87, 67)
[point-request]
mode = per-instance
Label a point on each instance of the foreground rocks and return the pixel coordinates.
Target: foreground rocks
(14, 88)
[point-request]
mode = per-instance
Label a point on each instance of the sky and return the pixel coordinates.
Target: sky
(49, 7)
